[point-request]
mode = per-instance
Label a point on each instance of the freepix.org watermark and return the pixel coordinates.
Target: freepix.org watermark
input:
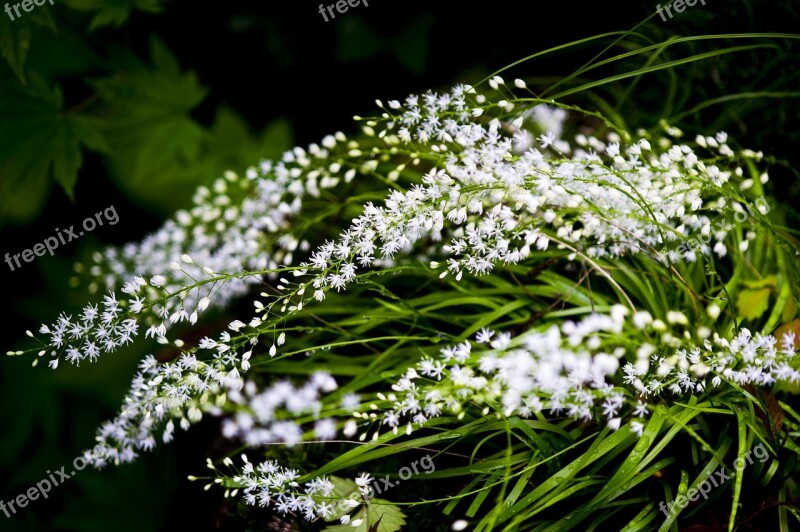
(371, 487)
(42, 488)
(678, 5)
(27, 7)
(51, 243)
(693, 244)
(715, 480)
(341, 6)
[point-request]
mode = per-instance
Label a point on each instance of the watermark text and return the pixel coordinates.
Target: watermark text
(51, 243)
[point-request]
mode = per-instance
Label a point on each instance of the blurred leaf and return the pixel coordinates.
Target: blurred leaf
(56, 56)
(753, 302)
(154, 142)
(770, 281)
(411, 45)
(38, 140)
(15, 37)
(232, 145)
(357, 40)
(114, 12)
(789, 312)
(15, 40)
(278, 43)
(276, 138)
(157, 150)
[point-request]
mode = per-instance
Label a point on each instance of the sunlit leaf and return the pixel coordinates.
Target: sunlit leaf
(753, 303)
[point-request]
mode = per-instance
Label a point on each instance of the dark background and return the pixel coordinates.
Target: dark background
(279, 61)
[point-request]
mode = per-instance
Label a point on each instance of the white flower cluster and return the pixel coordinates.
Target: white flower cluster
(204, 257)
(744, 359)
(491, 195)
(497, 205)
(160, 394)
(271, 485)
(575, 369)
(236, 225)
(93, 332)
(258, 421)
(268, 484)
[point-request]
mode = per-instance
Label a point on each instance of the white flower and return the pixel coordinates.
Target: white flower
(459, 525)
(325, 429)
(547, 139)
(350, 428)
(484, 335)
(642, 318)
(236, 325)
(351, 401)
(677, 317)
(364, 479)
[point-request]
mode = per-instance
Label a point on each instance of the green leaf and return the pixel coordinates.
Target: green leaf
(276, 138)
(15, 37)
(357, 40)
(114, 12)
(411, 44)
(752, 303)
(378, 516)
(770, 281)
(343, 489)
(39, 141)
(789, 311)
(154, 143)
(15, 41)
(158, 152)
(233, 147)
